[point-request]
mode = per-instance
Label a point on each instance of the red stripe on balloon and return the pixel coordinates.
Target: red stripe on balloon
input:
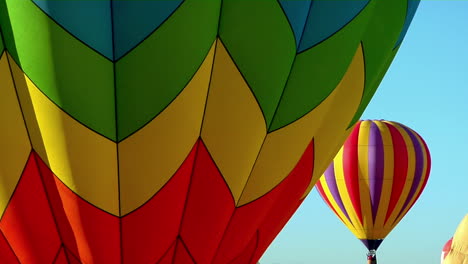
(150, 230)
(428, 169)
(28, 224)
(169, 255)
(351, 170)
(208, 209)
(6, 253)
(400, 161)
(286, 203)
(89, 233)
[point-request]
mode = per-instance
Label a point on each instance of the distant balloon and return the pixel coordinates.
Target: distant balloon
(458, 251)
(446, 250)
(376, 177)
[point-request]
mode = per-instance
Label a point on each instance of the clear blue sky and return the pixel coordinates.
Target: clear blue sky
(425, 88)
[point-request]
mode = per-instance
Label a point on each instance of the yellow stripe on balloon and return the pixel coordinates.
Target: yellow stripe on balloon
(273, 165)
(14, 141)
(150, 157)
(409, 176)
(83, 160)
(341, 106)
(421, 182)
(363, 176)
(345, 198)
(234, 127)
(380, 230)
(334, 204)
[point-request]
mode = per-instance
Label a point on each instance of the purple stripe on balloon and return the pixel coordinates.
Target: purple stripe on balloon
(375, 166)
(418, 173)
(331, 182)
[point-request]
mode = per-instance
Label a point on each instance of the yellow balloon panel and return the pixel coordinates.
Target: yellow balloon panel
(234, 127)
(459, 250)
(340, 107)
(284, 147)
(83, 160)
(14, 141)
(150, 157)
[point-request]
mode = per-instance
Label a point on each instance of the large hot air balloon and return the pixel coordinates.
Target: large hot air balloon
(446, 250)
(176, 131)
(458, 249)
(375, 178)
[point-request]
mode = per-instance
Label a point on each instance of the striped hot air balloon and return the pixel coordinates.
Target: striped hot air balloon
(375, 178)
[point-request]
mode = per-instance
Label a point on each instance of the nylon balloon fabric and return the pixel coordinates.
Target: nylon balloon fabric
(458, 249)
(176, 131)
(376, 178)
(446, 250)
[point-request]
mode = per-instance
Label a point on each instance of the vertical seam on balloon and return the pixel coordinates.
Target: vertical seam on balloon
(9, 245)
(387, 172)
(32, 156)
(264, 118)
(189, 187)
(197, 143)
(174, 255)
(55, 104)
(343, 191)
(67, 31)
(173, 244)
(25, 126)
(46, 193)
(397, 140)
(353, 181)
(289, 174)
(326, 97)
(193, 149)
(286, 82)
(397, 45)
(175, 97)
(324, 197)
(364, 182)
(381, 170)
(243, 78)
(297, 42)
(16, 186)
(187, 250)
(114, 75)
(337, 200)
(57, 254)
(257, 235)
(334, 33)
(423, 177)
(199, 140)
(68, 251)
(361, 45)
(427, 162)
(409, 201)
(409, 172)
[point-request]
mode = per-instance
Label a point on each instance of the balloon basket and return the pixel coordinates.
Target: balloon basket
(372, 257)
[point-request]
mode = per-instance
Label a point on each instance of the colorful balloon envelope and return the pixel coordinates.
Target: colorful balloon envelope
(458, 249)
(173, 131)
(375, 178)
